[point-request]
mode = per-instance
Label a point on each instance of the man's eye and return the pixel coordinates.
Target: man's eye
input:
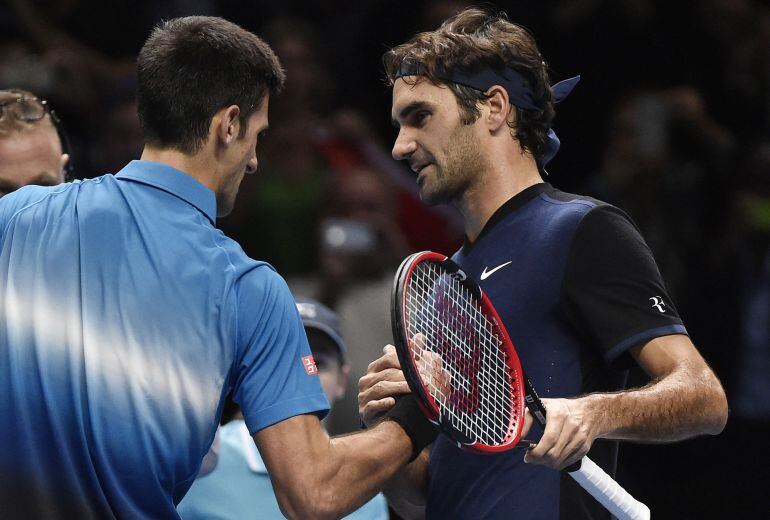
(421, 117)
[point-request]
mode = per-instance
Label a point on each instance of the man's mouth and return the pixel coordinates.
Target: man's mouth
(417, 167)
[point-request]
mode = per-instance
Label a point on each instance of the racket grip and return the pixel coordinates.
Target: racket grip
(609, 493)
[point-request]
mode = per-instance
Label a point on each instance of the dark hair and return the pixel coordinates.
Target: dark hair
(475, 39)
(189, 68)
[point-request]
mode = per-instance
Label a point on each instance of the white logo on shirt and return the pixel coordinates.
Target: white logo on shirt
(658, 303)
(486, 274)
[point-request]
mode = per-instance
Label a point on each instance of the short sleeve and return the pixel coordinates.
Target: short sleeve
(274, 377)
(612, 291)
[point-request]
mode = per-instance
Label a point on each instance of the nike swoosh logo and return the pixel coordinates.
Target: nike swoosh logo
(486, 274)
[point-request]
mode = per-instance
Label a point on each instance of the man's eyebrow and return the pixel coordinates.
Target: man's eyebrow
(409, 109)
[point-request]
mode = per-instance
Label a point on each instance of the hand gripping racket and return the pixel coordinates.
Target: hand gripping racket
(461, 365)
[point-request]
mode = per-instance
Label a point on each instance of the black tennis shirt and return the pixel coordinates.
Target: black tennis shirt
(576, 286)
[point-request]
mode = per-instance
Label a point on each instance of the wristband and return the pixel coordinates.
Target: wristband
(406, 412)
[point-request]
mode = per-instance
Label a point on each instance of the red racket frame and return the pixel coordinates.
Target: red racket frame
(416, 383)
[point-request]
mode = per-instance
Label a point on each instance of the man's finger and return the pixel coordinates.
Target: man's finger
(374, 409)
(547, 442)
(388, 360)
(381, 390)
(369, 380)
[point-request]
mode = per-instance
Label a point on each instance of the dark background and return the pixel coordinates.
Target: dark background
(670, 122)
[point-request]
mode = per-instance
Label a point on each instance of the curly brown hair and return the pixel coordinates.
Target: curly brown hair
(477, 39)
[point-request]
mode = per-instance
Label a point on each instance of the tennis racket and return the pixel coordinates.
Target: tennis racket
(461, 365)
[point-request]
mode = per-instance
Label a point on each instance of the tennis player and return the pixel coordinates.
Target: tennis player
(571, 277)
(126, 317)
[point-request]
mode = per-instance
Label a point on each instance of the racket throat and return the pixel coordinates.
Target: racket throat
(460, 438)
(534, 403)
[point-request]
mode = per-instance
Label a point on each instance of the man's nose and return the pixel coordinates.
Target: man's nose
(404, 146)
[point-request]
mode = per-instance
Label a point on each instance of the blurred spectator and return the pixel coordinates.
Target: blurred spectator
(737, 263)
(730, 60)
(30, 146)
(80, 67)
(237, 484)
(273, 218)
(437, 228)
(734, 327)
(360, 238)
(360, 248)
(751, 247)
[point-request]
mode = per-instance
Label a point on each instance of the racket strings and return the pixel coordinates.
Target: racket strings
(456, 351)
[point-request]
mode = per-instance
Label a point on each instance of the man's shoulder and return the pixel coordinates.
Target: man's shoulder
(243, 266)
(28, 195)
(567, 211)
(254, 281)
(580, 204)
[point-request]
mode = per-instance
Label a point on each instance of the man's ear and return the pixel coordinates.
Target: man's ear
(229, 124)
(499, 107)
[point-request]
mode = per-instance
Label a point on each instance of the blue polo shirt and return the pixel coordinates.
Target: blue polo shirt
(125, 319)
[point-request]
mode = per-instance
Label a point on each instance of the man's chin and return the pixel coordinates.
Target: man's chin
(430, 198)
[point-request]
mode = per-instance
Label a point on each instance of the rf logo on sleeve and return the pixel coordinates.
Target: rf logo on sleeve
(658, 303)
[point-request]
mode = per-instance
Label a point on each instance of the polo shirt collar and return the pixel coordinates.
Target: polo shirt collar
(511, 205)
(173, 181)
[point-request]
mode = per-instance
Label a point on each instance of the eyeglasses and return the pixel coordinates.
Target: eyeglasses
(27, 109)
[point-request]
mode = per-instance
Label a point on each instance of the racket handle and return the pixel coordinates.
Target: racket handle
(608, 492)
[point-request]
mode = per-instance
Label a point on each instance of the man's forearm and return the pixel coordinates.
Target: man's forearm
(685, 403)
(683, 400)
(317, 477)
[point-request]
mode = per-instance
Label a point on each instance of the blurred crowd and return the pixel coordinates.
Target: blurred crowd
(671, 122)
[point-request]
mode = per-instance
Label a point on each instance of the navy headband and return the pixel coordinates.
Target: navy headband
(518, 88)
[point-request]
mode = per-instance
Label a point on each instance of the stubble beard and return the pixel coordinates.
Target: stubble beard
(462, 163)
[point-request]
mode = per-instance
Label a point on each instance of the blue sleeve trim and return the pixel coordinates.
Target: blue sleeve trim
(315, 403)
(644, 336)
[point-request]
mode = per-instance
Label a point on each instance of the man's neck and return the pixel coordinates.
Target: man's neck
(193, 165)
(502, 180)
